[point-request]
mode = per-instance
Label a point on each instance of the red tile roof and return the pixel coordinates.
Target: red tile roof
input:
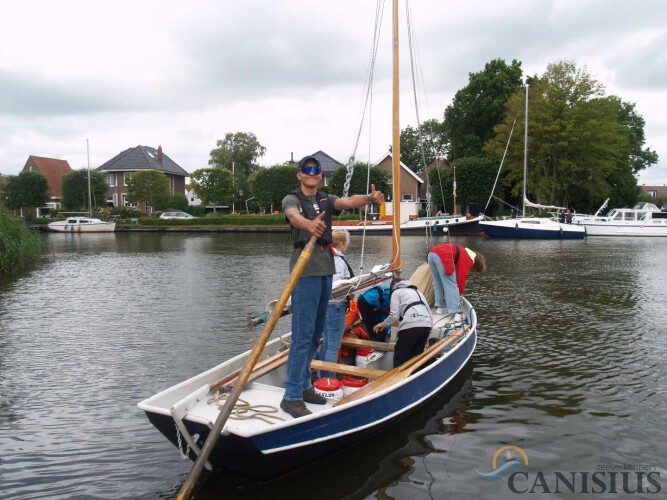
(52, 169)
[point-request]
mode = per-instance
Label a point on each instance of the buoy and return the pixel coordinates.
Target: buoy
(330, 388)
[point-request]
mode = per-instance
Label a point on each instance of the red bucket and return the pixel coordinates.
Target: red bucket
(330, 388)
(364, 351)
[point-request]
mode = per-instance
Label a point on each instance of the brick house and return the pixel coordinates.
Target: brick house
(119, 169)
(54, 170)
(655, 191)
(410, 189)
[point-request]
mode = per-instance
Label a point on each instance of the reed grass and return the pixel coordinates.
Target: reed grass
(18, 244)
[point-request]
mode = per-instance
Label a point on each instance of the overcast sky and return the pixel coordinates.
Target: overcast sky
(182, 74)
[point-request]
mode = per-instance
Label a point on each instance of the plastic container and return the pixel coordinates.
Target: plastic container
(367, 358)
(330, 388)
(351, 384)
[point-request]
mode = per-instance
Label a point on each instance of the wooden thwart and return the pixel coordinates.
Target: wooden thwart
(262, 368)
(372, 344)
(357, 371)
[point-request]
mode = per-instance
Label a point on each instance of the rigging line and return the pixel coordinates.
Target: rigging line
(501, 166)
(379, 9)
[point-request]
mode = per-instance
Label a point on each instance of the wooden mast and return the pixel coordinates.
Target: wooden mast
(396, 152)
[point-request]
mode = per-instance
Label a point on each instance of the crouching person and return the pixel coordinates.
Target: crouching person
(410, 308)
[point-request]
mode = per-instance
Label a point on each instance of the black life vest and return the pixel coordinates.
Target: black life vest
(309, 211)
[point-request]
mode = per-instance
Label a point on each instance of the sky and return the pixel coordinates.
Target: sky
(82, 79)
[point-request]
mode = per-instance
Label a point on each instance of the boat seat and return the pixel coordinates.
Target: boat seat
(357, 371)
(372, 344)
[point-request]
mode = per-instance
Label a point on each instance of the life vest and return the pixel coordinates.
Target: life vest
(353, 319)
(412, 304)
(310, 212)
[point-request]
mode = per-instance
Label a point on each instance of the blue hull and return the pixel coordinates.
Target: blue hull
(274, 453)
(515, 231)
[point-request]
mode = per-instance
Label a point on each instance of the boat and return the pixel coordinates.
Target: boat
(83, 224)
(531, 227)
(228, 418)
(643, 219)
(438, 225)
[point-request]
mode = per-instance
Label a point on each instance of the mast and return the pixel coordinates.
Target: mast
(90, 205)
(525, 154)
(396, 151)
(454, 190)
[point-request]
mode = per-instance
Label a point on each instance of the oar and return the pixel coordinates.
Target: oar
(231, 378)
(191, 481)
(404, 371)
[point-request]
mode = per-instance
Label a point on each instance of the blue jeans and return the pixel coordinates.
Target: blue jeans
(445, 286)
(310, 300)
(333, 334)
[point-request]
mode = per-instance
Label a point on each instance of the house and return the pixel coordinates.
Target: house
(54, 170)
(439, 163)
(192, 197)
(119, 170)
(655, 191)
(410, 189)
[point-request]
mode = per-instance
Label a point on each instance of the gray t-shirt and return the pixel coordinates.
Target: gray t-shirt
(321, 262)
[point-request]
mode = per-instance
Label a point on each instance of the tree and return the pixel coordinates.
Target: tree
(215, 186)
(474, 180)
(26, 190)
(582, 146)
(479, 107)
(271, 185)
(75, 189)
(148, 186)
(358, 183)
(238, 151)
(433, 144)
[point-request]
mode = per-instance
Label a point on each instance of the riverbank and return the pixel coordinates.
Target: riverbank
(202, 229)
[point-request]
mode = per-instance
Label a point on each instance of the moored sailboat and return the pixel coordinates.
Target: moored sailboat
(261, 440)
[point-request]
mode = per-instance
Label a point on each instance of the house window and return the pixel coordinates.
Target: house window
(652, 193)
(407, 197)
(128, 203)
(127, 177)
(111, 180)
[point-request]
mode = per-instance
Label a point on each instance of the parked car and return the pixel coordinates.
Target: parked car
(176, 215)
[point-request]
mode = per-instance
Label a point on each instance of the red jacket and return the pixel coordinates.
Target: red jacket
(463, 263)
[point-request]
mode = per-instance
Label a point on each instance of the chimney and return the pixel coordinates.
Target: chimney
(159, 154)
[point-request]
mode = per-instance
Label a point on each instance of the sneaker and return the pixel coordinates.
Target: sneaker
(295, 408)
(310, 396)
(440, 310)
(457, 319)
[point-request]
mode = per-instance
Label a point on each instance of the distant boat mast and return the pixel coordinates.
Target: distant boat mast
(90, 205)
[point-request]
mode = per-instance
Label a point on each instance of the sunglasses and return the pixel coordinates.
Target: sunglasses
(311, 169)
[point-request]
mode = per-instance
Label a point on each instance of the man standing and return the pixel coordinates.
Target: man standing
(308, 212)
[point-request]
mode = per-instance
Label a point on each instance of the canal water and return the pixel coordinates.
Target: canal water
(568, 376)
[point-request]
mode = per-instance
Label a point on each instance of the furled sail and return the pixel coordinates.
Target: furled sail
(529, 203)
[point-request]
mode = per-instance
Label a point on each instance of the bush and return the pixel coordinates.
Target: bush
(18, 245)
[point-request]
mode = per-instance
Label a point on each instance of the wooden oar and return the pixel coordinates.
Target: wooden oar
(273, 362)
(191, 481)
(404, 371)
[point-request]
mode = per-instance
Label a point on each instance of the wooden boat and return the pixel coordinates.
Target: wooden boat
(441, 224)
(82, 225)
(259, 440)
(644, 219)
(531, 227)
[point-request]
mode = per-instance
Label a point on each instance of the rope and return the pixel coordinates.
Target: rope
(501, 166)
(244, 411)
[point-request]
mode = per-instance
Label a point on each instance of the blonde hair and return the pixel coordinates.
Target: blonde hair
(340, 236)
(480, 263)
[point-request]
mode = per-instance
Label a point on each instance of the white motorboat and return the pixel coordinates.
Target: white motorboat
(82, 225)
(644, 219)
(440, 224)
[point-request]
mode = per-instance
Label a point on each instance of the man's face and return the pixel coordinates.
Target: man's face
(310, 175)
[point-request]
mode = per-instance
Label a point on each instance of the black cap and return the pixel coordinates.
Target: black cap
(307, 159)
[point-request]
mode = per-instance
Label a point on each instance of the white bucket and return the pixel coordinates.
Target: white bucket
(351, 384)
(330, 388)
(368, 358)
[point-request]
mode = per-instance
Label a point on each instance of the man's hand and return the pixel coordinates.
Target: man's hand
(379, 327)
(375, 196)
(317, 225)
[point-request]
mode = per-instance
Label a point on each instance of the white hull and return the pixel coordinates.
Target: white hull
(532, 228)
(652, 228)
(82, 225)
(644, 219)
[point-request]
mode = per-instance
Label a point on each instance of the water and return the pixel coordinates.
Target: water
(570, 366)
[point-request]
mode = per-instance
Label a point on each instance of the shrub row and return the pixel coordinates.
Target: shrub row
(18, 244)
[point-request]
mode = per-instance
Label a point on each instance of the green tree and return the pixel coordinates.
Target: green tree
(433, 144)
(474, 180)
(271, 185)
(479, 107)
(75, 189)
(174, 201)
(237, 151)
(582, 146)
(215, 186)
(358, 182)
(148, 186)
(26, 190)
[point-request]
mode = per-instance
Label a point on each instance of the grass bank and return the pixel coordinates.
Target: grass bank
(18, 244)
